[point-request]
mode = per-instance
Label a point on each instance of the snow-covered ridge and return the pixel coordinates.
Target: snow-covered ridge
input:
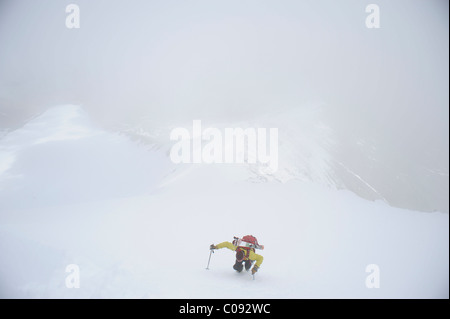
(62, 152)
(306, 150)
(66, 122)
(62, 122)
(311, 149)
(305, 145)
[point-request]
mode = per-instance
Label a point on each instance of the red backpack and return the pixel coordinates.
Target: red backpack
(251, 240)
(246, 244)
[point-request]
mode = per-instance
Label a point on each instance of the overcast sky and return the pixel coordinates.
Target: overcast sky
(226, 58)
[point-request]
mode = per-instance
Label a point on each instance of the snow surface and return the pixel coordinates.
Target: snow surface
(139, 226)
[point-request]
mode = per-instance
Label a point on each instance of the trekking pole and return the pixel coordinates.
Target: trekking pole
(210, 252)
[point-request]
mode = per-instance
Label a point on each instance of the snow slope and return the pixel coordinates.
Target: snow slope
(313, 146)
(139, 226)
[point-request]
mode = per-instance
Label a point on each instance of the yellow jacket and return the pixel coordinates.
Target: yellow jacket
(252, 255)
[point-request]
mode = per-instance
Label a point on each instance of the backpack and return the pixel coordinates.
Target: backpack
(250, 239)
(247, 243)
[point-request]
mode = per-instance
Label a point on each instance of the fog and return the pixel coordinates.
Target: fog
(160, 63)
